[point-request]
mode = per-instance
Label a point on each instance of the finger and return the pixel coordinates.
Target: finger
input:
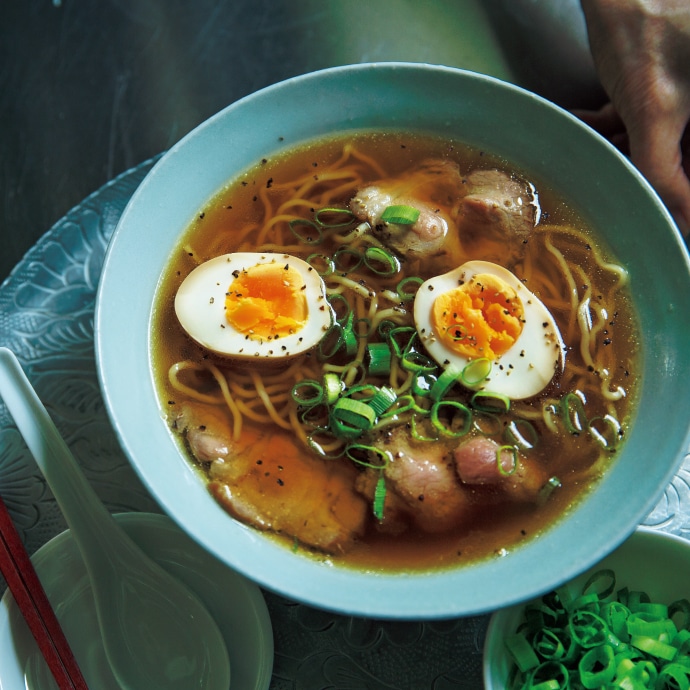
(658, 154)
(606, 120)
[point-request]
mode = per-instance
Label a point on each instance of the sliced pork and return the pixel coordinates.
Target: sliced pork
(431, 189)
(477, 464)
(422, 485)
(456, 211)
(270, 482)
(496, 203)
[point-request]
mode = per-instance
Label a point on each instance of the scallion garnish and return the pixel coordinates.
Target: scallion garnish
(488, 401)
(347, 259)
(380, 357)
(400, 215)
(379, 497)
(307, 392)
(600, 638)
(573, 414)
(444, 383)
(351, 418)
(451, 418)
(507, 471)
(407, 288)
(381, 261)
(306, 231)
(322, 264)
(476, 371)
(333, 217)
(521, 433)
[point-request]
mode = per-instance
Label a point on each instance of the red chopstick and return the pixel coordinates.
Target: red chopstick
(31, 598)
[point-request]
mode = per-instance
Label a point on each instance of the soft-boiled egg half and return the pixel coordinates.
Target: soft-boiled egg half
(480, 312)
(250, 304)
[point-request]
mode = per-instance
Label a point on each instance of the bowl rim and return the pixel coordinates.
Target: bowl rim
(388, 595)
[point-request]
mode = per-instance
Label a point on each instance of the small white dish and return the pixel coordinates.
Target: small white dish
(237, 605)
(652, 561)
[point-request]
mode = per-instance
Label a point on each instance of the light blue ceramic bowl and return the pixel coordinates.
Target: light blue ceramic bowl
(505, 120)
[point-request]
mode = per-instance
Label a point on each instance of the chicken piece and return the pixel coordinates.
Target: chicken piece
(422, 485)
(432, 189)
(267, 480)
(476, 465)
(495, 203)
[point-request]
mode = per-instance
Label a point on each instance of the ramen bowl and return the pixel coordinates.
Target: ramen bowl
(532, 134)
(649, 561)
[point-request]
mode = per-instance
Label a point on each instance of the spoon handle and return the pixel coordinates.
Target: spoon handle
(75, 496)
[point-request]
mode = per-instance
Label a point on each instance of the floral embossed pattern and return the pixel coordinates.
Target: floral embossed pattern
(46, 317)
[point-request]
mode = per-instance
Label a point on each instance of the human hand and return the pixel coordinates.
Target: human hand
(641, 49)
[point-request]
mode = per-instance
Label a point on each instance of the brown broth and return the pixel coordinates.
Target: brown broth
(576, 461)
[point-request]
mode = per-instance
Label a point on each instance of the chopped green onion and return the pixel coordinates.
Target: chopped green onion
(551, 485)
(522, 652)
(573, 414)
(322, 264)
(334, 217)
(319, 438)
(597, 667)
(602, 583)
(314, 416)
(679, 612)
(400, 215)
(307, 392)
(331, 342)
(458, 413)
(404, 403)
(341, 308)
(606, 431)
(488, 401)
(383, 400)
(347, 259)
(404, 291)
(456, 332)
(332, 387)
(381, 261)
(351, 418)
(499, 461)
(353, 452)
(601, 638)
(521, 433)
(417, 362)
(349, 339)
(423, 383)
(379, 497)
(306, 231)
(416, 434)
(486, 423)
(548, 645)
(401, 338)
(444, 383)
(380, 357)
(475, 372)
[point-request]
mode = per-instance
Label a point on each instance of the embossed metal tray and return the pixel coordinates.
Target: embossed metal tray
(46, 317)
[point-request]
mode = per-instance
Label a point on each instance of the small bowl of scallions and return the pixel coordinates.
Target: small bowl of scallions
(623, 624)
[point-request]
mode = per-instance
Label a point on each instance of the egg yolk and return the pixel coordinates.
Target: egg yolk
(267, 301)
(481, 318)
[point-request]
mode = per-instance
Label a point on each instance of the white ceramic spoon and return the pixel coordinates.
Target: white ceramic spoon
(156, 633)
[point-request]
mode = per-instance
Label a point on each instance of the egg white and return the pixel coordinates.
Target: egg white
(528, 366)
(200, 308)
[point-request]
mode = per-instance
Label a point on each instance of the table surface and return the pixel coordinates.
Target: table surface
(92, 90)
